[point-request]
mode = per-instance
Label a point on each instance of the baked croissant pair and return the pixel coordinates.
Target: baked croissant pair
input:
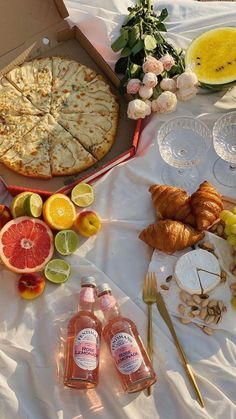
(180, 213)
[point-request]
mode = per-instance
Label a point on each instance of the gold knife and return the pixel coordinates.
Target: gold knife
(166, 317)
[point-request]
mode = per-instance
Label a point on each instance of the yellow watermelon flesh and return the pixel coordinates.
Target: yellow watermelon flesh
(212, 56)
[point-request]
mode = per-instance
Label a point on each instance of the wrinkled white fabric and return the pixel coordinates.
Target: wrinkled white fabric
(29, 331)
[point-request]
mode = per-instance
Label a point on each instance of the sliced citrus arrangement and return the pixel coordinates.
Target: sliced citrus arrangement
(33, 205)
(57, 271)
(26, 245)
(82, 195)
(66, 242)
(17, 205)
(59, 212)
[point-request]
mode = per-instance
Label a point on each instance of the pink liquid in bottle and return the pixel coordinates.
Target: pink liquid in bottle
(120, 333)
(83, 341)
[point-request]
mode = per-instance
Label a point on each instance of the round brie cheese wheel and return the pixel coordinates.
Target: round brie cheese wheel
(197, 272)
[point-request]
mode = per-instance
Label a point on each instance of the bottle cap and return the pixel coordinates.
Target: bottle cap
(103, 287)
(88, 280)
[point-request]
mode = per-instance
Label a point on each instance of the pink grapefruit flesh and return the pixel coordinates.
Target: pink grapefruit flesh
(26, 245)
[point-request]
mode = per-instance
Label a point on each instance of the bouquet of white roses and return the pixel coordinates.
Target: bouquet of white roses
(153, 69)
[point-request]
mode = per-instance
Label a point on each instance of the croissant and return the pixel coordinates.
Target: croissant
(170, 236)
(171, 202)
(206, 204)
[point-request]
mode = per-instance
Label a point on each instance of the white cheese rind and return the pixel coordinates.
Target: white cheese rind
(187, 277)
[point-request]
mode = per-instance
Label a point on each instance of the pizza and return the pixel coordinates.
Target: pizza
(57, 118)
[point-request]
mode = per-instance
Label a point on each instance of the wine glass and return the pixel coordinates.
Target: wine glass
(224, 141)
(183, 143)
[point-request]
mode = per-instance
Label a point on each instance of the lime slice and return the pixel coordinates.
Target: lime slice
(66, 242)
(57, 271)
(82, 195)
(33, 205)
(17, 205)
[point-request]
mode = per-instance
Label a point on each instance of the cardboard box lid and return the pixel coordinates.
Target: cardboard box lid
(30, 17)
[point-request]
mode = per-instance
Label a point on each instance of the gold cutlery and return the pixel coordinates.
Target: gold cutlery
(149, 297)
(166, 317)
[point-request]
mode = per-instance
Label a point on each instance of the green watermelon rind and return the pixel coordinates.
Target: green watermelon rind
(216, 87)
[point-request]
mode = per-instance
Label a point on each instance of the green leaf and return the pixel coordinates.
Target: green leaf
(120, 42)
(126, 51)
(161, 27)
(150, 42)
(135, 70)
(129, 17)
(134, 35)
(122, 86)
(159, 39)
(121, 65)
(163, 15)
(138, 46)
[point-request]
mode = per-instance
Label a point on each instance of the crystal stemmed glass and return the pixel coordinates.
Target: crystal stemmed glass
(183, 143)
(224, 141)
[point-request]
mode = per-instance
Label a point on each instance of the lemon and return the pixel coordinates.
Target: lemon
(57, 271)
(66, 242)
(59, 212)
(17, 205)
(33, 205)
(82, 195)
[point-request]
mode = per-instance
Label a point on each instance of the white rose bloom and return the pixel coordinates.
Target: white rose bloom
(186, 79)
(150, 80)
(165, 103)
(168, 84)
(186, 94)
(138, 109)
(145, 92)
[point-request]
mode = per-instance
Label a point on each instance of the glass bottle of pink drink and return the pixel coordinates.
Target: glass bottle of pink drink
(127, 350)
(83, 341)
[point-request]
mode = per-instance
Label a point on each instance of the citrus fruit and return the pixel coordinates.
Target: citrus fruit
(17, 205)
(26, 244)
(233, 302)
(59, 212)
(66, 242)
(82, 195)
(33, 205)
(57, 271)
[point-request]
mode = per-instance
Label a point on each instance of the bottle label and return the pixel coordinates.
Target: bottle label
(87, 295)
(107, 301)
(86, 349)
(126, 353)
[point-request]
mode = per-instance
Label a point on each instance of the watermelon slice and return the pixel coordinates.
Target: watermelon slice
(213, 58)
(26, 245)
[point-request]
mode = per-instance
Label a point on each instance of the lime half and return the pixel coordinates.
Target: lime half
(17, 205)
(57, 271)
(66, 242)
(82, 195)
(33, 205)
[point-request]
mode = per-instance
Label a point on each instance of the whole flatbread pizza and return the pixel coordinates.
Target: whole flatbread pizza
(57, 117)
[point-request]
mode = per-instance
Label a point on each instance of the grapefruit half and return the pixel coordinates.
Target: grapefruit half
(26, 245)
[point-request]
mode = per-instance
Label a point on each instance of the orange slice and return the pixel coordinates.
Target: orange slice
(59, 212)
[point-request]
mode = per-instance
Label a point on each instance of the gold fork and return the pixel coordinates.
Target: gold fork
(149, 297)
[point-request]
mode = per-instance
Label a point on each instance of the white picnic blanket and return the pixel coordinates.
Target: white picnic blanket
(29, 331)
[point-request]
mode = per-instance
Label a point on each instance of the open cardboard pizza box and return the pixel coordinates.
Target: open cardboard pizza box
(32, 28)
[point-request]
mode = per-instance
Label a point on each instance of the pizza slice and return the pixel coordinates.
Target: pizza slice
(13, 128)
(67, 155)
(13, 102)
(34, 81)
(29, 155)
(75, 87)
(96, 132)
